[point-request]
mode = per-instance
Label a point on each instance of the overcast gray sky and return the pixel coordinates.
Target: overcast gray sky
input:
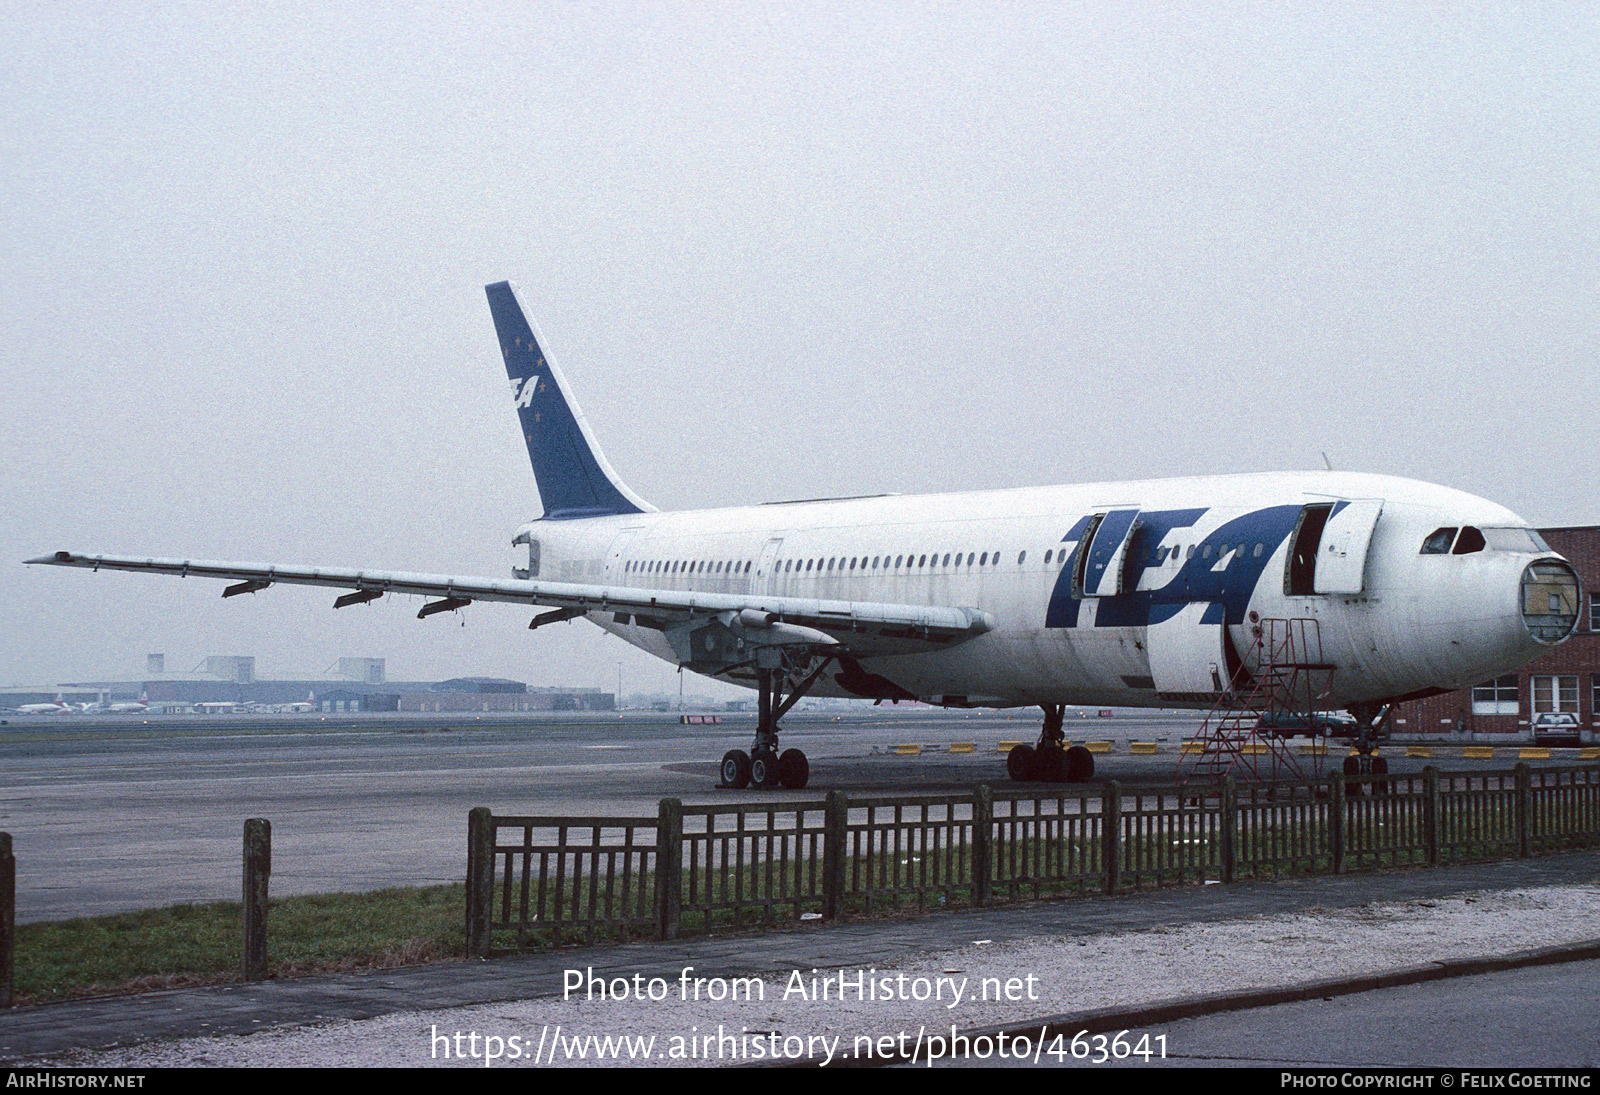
(780, 250)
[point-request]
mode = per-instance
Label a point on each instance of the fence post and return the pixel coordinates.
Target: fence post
(480, 880)
(257, 871)
(1430, 814)
(1336, 823)
(669, 868)
(1111, 835)
(1229, 822)
(8, 919)
(835, 834)
(1524, 810)
(982, 843)
(1594, 801)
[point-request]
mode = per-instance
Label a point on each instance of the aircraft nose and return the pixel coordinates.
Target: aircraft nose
(1551, 596)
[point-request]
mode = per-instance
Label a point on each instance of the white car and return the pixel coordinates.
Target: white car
(1556, 728)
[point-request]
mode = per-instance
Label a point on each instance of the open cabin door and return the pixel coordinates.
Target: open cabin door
(1329, 551)
(1099, 567)
(1186, 652)
(1342, 560)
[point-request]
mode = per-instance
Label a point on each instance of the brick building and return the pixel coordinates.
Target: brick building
(1564, 681)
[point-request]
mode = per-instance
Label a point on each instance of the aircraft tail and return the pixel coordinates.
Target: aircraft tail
(573, 475)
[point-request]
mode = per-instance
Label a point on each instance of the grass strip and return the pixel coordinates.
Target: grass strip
(183, 945)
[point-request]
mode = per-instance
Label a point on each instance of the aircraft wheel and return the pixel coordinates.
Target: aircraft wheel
(1049, 764)
(736, 769)
(764, 769)
(1080, 765)
(1352, 767)
(794, 771)
(1019, 763)
(1380, 767)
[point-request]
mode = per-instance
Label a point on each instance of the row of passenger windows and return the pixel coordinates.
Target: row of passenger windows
(837, 565)
(883, 562)
(1161, 555)
(686, 566)
(833, 565)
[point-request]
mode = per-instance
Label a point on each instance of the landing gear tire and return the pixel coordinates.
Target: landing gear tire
(764, 769)
(1080, 765)
(1049, 764)
(794, 771)
(736, 769)
(1380, 767)
(1352, 767)
(1019, 763)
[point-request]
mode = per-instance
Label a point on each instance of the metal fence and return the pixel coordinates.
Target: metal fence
(692, 869)
(561, 879)
(749, 863)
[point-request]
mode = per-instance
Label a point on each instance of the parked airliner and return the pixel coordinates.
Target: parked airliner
(128, 707)
(56, 707)
(1151, 593)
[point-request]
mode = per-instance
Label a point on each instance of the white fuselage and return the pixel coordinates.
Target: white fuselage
(1207, 558)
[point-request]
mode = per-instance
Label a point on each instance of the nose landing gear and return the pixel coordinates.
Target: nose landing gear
(1050, 761)
(1372, 729)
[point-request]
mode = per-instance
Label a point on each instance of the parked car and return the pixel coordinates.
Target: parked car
(1557, 728)
(1314, 724)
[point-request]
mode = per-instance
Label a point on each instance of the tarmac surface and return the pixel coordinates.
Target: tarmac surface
(128, 812)
(1540, 1017)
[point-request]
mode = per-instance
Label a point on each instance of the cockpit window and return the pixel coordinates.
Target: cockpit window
(1439, 541)
(1469, 541)
(1523, 540)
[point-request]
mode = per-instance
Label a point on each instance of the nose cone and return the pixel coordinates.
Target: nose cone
(1477, 617)
(1551, 596)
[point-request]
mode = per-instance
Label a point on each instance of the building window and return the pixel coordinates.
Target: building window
(1594, 613)
(1496, 697)
(1555, 694)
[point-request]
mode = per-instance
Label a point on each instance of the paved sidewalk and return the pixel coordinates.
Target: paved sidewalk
(240, 1008)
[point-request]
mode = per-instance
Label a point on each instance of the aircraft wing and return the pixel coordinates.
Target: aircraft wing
(857, 627)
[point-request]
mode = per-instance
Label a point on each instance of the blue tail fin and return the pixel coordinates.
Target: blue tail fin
(572, 473)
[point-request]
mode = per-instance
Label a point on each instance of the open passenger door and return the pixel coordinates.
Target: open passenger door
(1099, 567)
(1329, 551)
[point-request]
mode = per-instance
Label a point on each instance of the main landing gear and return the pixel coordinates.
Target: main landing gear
(1050, 761)
(764, 766)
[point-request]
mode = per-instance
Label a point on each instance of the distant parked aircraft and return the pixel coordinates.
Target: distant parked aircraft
(58, 706)
(129, 707)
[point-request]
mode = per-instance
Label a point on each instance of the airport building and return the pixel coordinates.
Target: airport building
(219, 682)
(1555, 700)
